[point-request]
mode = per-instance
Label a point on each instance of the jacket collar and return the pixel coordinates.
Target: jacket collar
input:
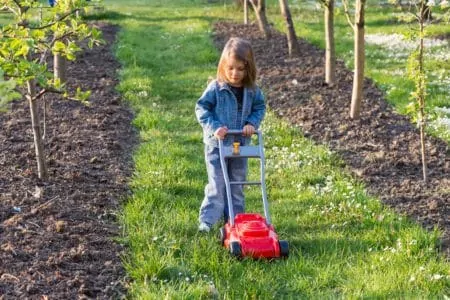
(226, 86)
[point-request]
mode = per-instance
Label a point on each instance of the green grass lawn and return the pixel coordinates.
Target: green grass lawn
(343, 242)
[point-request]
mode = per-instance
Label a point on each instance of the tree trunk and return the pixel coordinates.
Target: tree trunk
(293, 46)
(246, 12)
(330, 52)
(260, 12)
(358, 78)
(36, 126)
(59, 67)
(421, 93)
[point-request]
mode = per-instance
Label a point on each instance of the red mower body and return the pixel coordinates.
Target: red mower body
(251, 236)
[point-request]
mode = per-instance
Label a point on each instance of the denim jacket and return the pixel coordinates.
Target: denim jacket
(217, 107)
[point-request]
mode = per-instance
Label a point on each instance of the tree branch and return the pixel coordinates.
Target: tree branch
(43, 92)
(67, 34)
(56, 21)
(347, 14)
(22, 9)
(10, 9)
(253, 4)
(43, 58)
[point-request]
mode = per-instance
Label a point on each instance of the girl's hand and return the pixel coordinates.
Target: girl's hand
(248, 130)
(221, 132)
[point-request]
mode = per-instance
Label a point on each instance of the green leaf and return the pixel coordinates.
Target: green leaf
(73, 47)
(22, 51)
(38, 35)
(7, 92)
(59, 47)
(70, 56)
(82, 96)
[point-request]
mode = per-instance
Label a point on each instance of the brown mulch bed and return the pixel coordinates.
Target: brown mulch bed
(57, 236)
(382, 148)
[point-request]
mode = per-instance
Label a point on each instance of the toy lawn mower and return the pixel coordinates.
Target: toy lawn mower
(249, 234)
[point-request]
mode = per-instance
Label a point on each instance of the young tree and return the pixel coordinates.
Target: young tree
(359, 54)
(26, 44)
(417, 73)
(259, 6)
(294, 48)
(330, 50)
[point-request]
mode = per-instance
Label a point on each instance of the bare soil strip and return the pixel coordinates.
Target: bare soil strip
(56, 237)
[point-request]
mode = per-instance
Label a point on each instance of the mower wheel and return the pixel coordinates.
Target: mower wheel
(222, 235)
(235, 249)
(284, 248)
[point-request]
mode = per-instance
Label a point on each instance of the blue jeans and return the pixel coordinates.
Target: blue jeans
(215, 205)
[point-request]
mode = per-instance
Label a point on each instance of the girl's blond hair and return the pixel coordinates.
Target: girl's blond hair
(241, 50)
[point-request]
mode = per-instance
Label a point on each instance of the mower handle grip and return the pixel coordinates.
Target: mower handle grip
(238, 131)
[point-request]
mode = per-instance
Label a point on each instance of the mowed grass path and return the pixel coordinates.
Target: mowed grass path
(343, 242)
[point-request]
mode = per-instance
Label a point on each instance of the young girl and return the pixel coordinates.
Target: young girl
(232, 101)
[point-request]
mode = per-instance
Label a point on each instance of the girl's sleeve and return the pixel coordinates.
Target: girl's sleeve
(258, 109)
(204, 109)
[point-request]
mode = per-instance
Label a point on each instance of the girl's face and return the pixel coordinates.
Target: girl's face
(235, 71)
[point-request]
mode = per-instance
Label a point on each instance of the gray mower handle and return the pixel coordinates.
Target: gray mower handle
(239, 131)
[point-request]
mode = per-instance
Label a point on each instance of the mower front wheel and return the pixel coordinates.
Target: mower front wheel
(235, 249)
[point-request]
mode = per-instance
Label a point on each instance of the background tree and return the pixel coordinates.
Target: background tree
(26, 44)
(245, 12)
(259, 6)
(359, 52)
(293, 46)
(330, 49)
(244, 4)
